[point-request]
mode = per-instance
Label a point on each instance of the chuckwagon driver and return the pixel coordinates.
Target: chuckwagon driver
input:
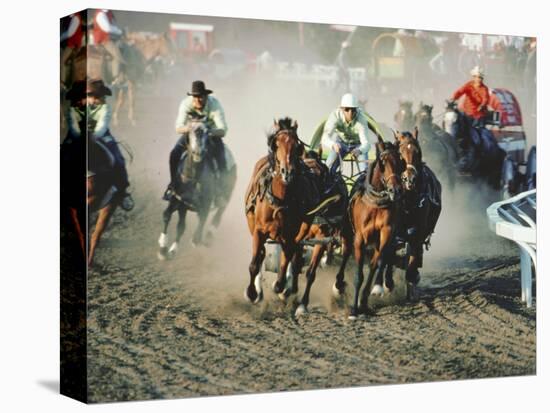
(474, 107)
(346, 131)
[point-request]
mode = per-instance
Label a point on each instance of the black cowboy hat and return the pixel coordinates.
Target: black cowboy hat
(77, 91)
(198, 89)
(97, 88)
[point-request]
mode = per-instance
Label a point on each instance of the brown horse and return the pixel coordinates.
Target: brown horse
(158, 50)
(374, 210)
(270, 205)
(421, 203)
(281, 202)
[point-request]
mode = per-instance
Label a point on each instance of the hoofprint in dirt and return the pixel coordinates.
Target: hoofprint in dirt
(159, 334)
(181, 328)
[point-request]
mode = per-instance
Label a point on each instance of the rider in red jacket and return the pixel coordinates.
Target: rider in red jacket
(476, 96)
(480, 144)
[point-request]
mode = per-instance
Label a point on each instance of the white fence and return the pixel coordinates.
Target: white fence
(322, 75)
(516, 220)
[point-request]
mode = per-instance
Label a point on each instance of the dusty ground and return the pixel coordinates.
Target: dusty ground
(182, 328)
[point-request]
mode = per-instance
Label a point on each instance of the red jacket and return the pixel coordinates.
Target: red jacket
(474, 97)
(75, 39)
(101, 36)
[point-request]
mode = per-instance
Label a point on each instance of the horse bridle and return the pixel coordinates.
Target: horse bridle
(289, 132)
(408, 166)
(385, 192)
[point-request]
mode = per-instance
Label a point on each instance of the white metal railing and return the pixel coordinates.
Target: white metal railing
(516, 220)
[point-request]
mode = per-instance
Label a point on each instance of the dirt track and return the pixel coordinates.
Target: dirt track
(182, 328)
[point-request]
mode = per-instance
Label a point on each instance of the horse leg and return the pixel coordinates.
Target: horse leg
(339, 287)
(197, 236)
(389, 284)
(131, 103)
(293, 272)
(412, 275)
(360, 260)
(254, 291)
(318, 252)
(76, 220)
(118, 105)
(180, 229)
(103, 217)
(163, 239)
(383, 259)
(288, 252)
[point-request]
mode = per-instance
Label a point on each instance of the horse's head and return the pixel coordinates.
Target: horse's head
(286, 148)
(451, 118)
(423, 118)
(390, 168)
(404, 117)
(411, 156)
(198, 138)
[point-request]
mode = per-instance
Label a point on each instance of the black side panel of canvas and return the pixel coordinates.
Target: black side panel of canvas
(73, 369)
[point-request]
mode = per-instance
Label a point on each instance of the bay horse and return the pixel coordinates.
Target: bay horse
(271, 206)
(283, 203)
(421, 204)
(374, 211)
(203, 190)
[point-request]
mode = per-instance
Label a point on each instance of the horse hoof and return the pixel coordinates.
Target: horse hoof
(251, 296)
(163, 240)
(338, 292)
(301, 310)
(173, 250)
(277, 289)
(162, 254)
(377, 290)
(324, 261)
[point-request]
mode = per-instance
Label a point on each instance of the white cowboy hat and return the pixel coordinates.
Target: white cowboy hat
(349, 101)
(477, 71)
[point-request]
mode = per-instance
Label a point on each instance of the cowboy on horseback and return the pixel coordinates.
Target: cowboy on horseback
(98, 117)
(198, 104)
(474, 109)
(346, 131)
(106, 33)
